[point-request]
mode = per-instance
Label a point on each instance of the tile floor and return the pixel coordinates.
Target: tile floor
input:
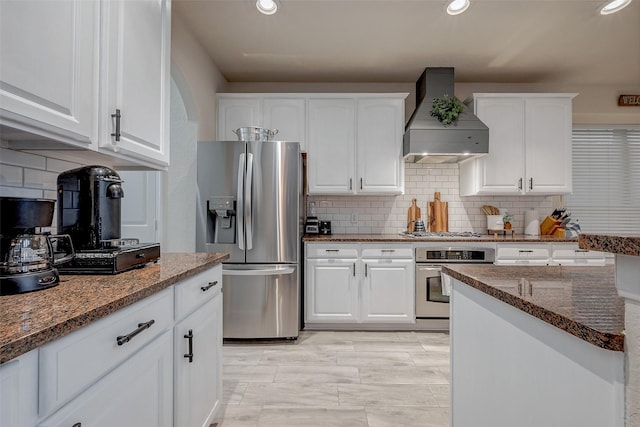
(335, 378)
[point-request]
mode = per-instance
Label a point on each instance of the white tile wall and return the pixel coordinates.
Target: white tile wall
(30, 175)
(388, 214)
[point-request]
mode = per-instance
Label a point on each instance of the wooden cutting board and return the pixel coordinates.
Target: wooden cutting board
(412, 215)
(438, 214)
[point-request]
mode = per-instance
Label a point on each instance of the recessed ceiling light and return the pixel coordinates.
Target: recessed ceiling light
(614, 6)
(456, 7)
(268, 7)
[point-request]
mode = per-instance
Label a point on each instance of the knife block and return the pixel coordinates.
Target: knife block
(551, 227)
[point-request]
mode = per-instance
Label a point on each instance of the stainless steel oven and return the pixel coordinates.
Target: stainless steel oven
(431, 303)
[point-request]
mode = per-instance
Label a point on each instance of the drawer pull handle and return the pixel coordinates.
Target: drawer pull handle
(527, 251)
(387, 250)
(117, 133)
(189, 355)
(209, 286)
(123, 339)
(332, 250)
(581, 250)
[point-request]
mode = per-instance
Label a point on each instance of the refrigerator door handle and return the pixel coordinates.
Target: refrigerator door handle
(247, 201)
(260, 272)
(240, 199)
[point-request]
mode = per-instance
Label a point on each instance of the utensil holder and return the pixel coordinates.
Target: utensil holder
(549, 225)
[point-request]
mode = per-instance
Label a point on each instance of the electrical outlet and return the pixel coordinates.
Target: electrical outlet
(354, 218)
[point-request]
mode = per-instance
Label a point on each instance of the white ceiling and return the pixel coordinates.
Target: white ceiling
(523, 41)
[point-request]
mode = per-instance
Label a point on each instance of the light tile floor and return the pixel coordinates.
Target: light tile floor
(335, 378)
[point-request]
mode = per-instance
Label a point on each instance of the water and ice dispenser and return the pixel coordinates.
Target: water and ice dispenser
(221, 220)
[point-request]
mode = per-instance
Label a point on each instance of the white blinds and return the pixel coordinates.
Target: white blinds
(606, 181)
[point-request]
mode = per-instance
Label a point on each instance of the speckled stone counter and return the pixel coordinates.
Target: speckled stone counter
(398, 238)
(33, 319)
(582, 301)
(621, 245)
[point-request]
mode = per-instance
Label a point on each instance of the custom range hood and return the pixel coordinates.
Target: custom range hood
(426, 140)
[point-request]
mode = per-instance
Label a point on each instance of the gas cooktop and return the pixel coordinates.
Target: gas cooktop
(440, 234)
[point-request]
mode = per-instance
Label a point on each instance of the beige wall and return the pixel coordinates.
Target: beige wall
(197, 77)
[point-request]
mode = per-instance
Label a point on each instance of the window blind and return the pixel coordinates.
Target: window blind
(606, 181)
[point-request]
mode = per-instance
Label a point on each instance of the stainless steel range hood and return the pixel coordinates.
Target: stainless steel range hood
(426, 140)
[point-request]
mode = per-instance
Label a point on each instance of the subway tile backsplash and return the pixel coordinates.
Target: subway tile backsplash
(388, 214)
(30, 175)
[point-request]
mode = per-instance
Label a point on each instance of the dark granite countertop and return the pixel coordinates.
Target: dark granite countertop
(33, 319)
(398, 238)
(622, 245)
(582, 301)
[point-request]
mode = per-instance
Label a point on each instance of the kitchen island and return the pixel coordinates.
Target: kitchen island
(627, 250)
(141, 348)
(534, 346)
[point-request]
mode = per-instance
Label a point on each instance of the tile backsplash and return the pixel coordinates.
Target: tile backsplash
(388, 214)
(30, 175)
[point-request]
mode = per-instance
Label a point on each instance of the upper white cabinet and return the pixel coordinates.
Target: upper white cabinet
(286, 113)
(529, 145)
(355, 145)
(331, 150)
(49, 69)
(68, 69)
(135, 79)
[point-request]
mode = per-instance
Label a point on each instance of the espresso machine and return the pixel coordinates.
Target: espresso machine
(89, 210)
(28, 259)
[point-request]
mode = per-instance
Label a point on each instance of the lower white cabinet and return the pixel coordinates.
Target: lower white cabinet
(137, 393)
(388, 293)
(359, 284)
(331, 291)
(198, 364)
(156, 363)
(18, 386)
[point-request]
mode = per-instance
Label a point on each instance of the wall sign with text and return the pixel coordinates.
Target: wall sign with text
(629, 101)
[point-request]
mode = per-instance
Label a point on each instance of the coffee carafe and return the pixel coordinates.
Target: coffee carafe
(27, 258)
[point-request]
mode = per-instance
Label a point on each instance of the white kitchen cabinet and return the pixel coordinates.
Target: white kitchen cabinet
(529, 145)
(69, 68)
(331, 287)
(235, 112)
(331, 146)
(137, 393)
(198, 349)
(364, 284)
(135, 78)
(522, 254)
(49, 69)
(70, 364)
(18, 387)
(571, 254)
(284, 112)
(355, 145)
(388, 286)
(380, 168)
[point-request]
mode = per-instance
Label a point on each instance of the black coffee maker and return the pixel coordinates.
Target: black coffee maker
(28, 258)
(89, 210)
(89, 206)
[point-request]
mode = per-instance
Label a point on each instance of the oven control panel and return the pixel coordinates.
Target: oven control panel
(460, 255)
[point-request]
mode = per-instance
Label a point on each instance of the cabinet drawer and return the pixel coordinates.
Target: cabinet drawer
(572, 255)
(332, 251)
(70, 364)
(529, 254)
(387, 252)
(197, 290)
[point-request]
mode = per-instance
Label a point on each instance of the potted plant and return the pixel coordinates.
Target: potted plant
(446, 109)
(506, 219)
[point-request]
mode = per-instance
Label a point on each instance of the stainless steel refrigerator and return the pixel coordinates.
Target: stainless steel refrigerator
(249, 204)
